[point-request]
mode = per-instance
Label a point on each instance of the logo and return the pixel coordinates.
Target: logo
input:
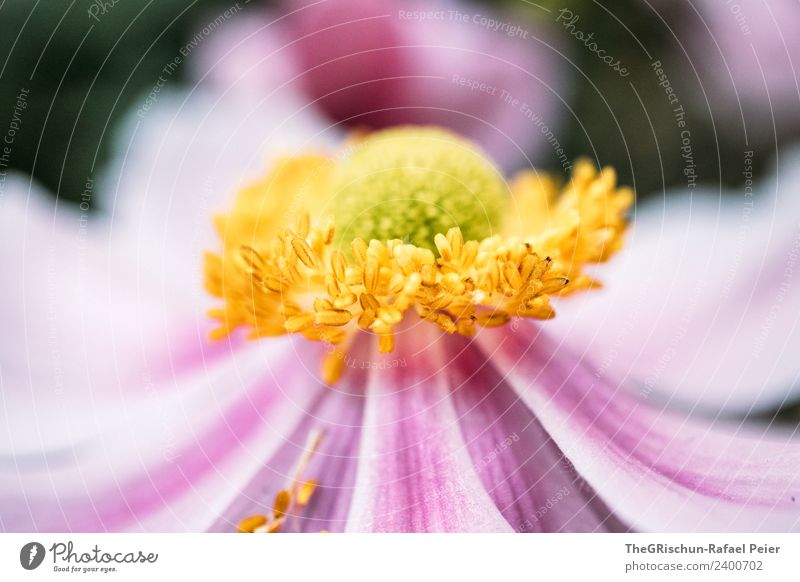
(31, 555)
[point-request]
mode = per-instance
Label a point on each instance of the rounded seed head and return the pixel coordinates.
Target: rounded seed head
(411, 183)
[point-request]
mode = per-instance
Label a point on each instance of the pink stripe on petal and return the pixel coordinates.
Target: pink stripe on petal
(657, 470)
(414, 472)
(338, 415)
(531, 481)
(166, 466)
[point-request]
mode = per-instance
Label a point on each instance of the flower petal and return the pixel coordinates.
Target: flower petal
(178, 162)
(760, 72)
(168, 464)
(69, 302)
(371, 63)
(414, 471)
(338, 415)
(81, 319)
(703, 306)
(529, 478)
(658, 471)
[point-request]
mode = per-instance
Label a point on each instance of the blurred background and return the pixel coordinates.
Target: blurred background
(84, 64)
(674, 94)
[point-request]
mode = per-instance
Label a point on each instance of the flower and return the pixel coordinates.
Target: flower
(380, 63)
(506, 430)
(420, 215)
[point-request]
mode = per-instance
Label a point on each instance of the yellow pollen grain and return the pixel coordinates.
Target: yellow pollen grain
(251, 523)
(290, 502)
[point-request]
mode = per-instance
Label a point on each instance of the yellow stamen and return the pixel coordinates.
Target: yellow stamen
(252, 523)
(290, 501)
(333, 366)
(281, 275)
(305, 492)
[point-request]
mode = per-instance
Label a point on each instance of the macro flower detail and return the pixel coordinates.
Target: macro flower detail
(398, 340)
(289, 502)
(421, 224)
(510, 430)
(418, 182)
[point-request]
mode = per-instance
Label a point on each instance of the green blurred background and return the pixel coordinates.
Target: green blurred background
(82, 76)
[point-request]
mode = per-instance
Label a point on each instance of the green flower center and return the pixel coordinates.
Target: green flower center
(411, 183)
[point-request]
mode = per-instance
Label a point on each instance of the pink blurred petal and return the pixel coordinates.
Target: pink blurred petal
(182, 162)
(338, 415)
(528, 477)
(414, 470)
(252, 56)
(361, 63)
(82, 317)
(703, 305)
(112, 354)
(750, 51)
(529, 70)
(345, 52)
(70, 301)
(659, 471)
(169, 463)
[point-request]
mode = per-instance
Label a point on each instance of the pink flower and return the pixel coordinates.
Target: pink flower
(386, 62)
(122, 415)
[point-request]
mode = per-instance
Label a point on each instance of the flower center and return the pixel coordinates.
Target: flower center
(416, 234)
(411, 183)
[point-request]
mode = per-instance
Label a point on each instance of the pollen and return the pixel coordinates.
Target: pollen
(290, 502)
(423, 229)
